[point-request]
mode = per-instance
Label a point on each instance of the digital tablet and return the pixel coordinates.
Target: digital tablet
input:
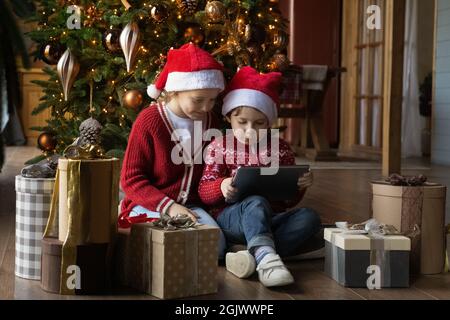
(280, 186)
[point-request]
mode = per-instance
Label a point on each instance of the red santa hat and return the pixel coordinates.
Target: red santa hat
(188, 68)
(253, 89)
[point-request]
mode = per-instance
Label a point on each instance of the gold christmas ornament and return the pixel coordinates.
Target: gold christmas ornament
(130, 40)
(111, 40)
(68, 68)
(195, 34)
(187, 7)
(159, 13)
(51, 52)
(215, 11)
(133, 99)
(47, 141)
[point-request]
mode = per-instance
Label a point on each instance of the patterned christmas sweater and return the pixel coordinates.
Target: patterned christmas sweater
(222, 160)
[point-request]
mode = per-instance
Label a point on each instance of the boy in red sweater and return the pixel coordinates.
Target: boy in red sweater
(152, 181)
(266, 228)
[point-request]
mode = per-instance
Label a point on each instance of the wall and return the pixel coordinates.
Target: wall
(440, 153)
(425, 31)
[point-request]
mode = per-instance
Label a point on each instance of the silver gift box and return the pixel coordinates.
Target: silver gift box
(348, 257)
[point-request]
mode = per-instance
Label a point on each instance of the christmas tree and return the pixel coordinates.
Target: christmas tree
(107, 52)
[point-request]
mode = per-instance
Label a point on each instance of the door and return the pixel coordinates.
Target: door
(315, 38)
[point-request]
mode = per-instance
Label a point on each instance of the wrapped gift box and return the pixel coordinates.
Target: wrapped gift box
(168, 264)
(409, 208)
(83, 217)
(33, 198)
(348, 256)
(91, 259)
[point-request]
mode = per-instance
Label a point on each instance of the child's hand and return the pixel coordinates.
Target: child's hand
(176, 209)
(228, 191)
(305, 182)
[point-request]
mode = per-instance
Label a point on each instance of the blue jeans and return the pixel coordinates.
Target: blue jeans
(204, 218)
(253, 222)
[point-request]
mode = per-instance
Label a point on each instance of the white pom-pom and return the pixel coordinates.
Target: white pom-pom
(153, 92)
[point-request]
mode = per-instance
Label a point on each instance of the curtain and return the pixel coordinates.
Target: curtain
(411, 120)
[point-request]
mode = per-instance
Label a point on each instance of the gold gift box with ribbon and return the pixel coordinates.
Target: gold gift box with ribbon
(84, 213)
(168, 264)
(419, 210)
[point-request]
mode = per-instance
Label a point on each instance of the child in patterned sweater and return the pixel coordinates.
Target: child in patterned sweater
(270, 230)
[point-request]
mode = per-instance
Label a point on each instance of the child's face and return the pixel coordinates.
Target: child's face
(196, 103)
(246, 123)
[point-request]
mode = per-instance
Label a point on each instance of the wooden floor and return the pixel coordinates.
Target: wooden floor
(337, 194)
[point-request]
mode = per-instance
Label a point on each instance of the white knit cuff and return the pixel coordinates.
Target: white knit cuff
(250, 98)
(204, 79)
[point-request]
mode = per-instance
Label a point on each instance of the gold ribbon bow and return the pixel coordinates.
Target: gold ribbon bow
(85, 152)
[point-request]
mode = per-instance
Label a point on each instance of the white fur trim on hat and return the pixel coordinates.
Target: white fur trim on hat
(204, 79)
(153, 92)
(250, 98)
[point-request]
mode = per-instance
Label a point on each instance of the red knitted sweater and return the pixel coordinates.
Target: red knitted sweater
(215, 172)
(149, 177)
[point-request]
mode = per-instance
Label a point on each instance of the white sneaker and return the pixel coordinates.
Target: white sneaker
(242, 264)
(272, 272)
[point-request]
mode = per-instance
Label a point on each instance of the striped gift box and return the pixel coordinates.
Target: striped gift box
(33, 198)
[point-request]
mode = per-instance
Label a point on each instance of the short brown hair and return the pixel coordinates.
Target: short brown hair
(167, 96)
(236, 110)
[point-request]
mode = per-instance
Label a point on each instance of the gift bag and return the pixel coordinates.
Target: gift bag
(33, 198)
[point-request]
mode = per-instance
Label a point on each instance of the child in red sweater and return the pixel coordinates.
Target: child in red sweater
(266, 228)
(153, 181)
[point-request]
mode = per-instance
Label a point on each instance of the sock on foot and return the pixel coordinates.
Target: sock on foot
(261, 251)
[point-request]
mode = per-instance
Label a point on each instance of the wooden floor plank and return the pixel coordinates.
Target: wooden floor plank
(231, 287)
(393, 294)
(28, 289)
(7, 269)
(313, 284)
(437, 286)
(5, 233)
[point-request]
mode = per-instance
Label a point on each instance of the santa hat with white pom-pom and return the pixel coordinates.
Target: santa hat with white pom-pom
(253, 89)
(188, 68)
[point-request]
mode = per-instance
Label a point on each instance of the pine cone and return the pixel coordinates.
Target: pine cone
(188, 6)
(90, 132)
